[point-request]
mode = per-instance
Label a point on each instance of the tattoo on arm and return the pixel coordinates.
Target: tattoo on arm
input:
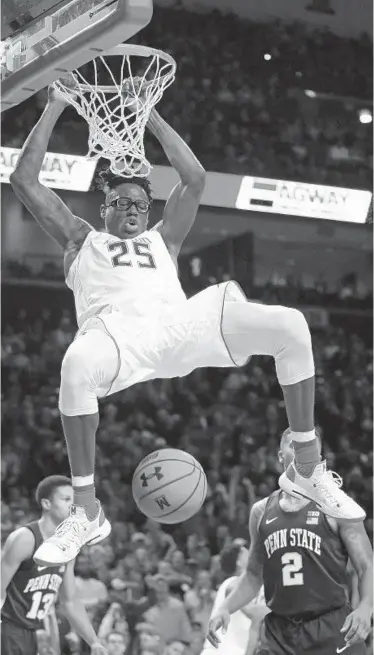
(82, 230)
(359, 551)
(357, 544)
(74, 245)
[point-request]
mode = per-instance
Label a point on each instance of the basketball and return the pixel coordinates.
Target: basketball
(169, 486)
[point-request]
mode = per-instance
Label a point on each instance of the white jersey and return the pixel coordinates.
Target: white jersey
(235, 641)
(134, 276)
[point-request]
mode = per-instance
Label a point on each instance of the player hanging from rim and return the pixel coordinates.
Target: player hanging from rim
(135, 323)
(300, 556)
(242, 635)
(29, 591)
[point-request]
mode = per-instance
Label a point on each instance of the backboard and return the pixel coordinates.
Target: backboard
(43, 39)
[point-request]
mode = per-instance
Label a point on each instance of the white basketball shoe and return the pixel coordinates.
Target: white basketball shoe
(324, 489)
(71, 535)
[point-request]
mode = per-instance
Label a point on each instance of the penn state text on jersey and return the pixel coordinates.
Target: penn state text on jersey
(305, 562)
(32, 590)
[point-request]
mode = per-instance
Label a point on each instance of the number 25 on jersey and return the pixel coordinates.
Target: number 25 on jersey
(131, 253)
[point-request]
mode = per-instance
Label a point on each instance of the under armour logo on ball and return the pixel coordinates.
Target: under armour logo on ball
(157, 474)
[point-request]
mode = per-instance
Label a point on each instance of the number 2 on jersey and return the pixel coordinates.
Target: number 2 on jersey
(292, 564)
(128, 251)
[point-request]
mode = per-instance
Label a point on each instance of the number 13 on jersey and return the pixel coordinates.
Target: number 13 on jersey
(41, 604)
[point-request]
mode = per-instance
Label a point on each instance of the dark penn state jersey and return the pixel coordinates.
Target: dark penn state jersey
(304, 561)
(32, 590)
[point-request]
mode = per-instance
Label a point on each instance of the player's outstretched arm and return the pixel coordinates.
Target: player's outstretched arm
(18, 547)
(356, 541)
(46, 207)
(249, 583)
(75, 612)
(181, 208)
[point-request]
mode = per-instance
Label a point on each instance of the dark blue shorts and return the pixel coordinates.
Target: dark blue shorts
(318, 636)
(16, 640)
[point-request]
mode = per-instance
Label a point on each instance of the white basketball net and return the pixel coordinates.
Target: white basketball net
(117, 113)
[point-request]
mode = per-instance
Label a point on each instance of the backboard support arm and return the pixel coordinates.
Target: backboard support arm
(115, 27)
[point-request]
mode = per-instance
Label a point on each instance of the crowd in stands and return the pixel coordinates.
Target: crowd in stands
(348, 292)
(231, 420)
(291, 115)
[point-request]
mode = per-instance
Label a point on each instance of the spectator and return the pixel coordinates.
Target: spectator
(168, 614)
(73, 644)
(117, 643)
(197, 640)
(91, 591)
(199, 600)
(44, 643)
(150, 642)
(161, 543)
(114, 623)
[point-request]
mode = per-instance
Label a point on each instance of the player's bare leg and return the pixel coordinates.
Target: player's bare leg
(89, 366)
(283, 333)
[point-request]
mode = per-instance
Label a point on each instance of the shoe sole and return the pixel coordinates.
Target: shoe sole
(105, 530)
(43, 562)
(299, 492)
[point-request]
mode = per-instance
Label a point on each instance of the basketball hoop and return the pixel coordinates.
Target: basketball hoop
(115, 94)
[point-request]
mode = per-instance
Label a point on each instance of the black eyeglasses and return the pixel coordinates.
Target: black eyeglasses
(142, 206)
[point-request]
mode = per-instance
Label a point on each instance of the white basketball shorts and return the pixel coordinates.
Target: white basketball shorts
(187, 337)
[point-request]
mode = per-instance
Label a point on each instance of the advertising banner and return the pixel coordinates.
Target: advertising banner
(303, 199)
(59, 171)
